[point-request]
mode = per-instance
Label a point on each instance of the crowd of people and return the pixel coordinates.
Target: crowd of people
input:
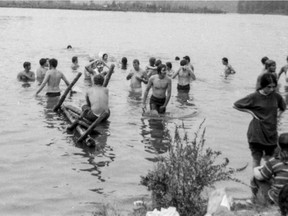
(265, 104)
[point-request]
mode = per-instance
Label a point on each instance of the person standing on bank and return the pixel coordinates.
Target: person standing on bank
(266, 106)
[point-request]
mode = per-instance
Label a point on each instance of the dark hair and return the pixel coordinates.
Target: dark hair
(74, 59)
(26, 64)
(225, 59)
(124, 63)
(287, 58)
(69, 47)
(136, 61)
(268, 63)
(158, 62)
(187, 58)
(177, 58)
(152, 61)
(42, 61)
(267, 79)
(98, 79)
(53, 62)
(169, 65)
(183, 62)
(104, 55)
(159, 68)
(264, 59)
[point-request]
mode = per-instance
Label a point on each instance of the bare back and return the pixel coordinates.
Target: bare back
(99, 99)
(53, 80)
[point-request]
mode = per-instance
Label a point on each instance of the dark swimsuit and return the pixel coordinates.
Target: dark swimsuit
(183, 87)
(90, 115)
(53, 94)
(157, 103)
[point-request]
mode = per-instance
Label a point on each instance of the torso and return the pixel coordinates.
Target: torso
(184, 77)
(136, 84)
(159, 86)
(99, 99)
(54, 79)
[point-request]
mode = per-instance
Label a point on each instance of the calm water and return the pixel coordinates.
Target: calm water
(43, 172)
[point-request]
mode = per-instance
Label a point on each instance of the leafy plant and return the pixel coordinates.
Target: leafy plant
(180, 177)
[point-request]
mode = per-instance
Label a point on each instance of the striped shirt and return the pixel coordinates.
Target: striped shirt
(277, 170)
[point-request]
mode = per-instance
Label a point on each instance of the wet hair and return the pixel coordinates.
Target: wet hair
(169, 65)
(42, 61)
(158, 62)
(264, 59)
(152, 61)
(287, 58)
(225, 59)
(98, 80)
(69, 47)
(183, 62)
(268, 63)
(53, 62)
(187, 58)
(124, 63)
(159, 68)
(283, 200)
(136, 61)
(26, 64)
(267, 79)
(177, 58)
(74, 59)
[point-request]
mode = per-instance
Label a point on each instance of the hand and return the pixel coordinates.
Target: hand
(162, 108)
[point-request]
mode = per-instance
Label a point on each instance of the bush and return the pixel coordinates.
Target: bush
(180, 177)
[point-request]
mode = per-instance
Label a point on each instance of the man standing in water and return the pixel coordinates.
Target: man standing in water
(185, 75)
(26, 75)
(137, 76)
(41, 71)
(52, 79)
(160, 85)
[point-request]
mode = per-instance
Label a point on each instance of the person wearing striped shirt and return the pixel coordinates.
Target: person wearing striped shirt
(274, 173)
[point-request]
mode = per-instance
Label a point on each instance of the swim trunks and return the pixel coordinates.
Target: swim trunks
(156, 103)
(90, 115)
(53, 94)
(183, 87)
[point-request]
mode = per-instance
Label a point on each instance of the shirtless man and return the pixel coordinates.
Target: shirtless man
(228, 68)
(52, 79)
(185, 75)
(284, 70)
(26, 75)
(97, 99)
(151, 69)
(94, 67)
(41, 71)
(187, 58)
(137, 76)
(160, 84)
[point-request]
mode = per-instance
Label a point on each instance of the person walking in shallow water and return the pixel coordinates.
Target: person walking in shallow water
(52, 79)
(263, 105)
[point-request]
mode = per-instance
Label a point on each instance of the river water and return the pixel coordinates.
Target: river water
(43, 171)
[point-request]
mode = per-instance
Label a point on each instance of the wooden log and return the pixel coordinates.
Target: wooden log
(89, 141)
(108, 76)
(66, 92)
(104, 115)
(75, 123)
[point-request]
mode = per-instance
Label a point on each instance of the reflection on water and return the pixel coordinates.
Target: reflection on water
(156, 136)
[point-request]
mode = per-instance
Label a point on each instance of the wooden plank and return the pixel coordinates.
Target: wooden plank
(58, 105)
(104, 115)
(108, 75)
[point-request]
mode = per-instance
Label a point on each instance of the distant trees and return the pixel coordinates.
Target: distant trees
(263, 7)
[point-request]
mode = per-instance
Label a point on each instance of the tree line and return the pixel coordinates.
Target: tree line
(263, 7)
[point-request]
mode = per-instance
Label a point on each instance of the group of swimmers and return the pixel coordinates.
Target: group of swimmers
(264, 104)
